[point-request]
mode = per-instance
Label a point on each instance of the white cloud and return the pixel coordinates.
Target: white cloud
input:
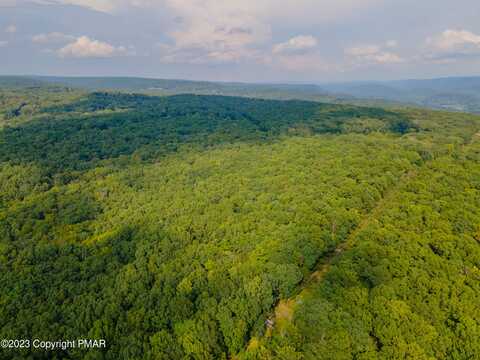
(209, 30)
(454, 39)
(84, 47)
(53, 37)
(11, 29)
(299, 54)
(387, 58)
(452, 44)
(296, 44)
(232, 30)
(240, 30)
(204, 31)
(372, 55)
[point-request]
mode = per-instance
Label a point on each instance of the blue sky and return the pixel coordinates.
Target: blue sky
(242, 40)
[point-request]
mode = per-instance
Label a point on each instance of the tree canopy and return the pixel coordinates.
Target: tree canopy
(173, 226)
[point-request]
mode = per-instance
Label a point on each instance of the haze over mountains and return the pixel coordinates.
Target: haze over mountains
(454, 93)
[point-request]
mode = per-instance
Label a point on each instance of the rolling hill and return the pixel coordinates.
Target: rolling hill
(214, 227)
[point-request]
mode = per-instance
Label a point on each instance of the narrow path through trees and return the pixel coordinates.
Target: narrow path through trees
(283, 313)
(285, 309)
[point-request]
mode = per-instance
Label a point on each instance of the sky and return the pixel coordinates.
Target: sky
(314, 41)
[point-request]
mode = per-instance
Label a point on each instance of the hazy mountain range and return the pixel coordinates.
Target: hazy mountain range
(454, 93)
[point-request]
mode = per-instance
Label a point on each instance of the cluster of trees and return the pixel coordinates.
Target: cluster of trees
(102, 126)
(172, 226)
(26, 101)
(187, 256)
(409, 287)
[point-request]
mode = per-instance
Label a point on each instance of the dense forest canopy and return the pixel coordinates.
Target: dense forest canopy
(104, 126)
(173, 227)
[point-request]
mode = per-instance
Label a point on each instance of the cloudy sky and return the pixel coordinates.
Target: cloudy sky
(242, 40)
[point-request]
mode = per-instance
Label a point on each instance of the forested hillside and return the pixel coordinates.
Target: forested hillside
(165, 87)
(452, 94)
(174, 227)
(406, 284)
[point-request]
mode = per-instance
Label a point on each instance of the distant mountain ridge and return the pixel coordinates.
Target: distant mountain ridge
(179, 86)
(454, 93)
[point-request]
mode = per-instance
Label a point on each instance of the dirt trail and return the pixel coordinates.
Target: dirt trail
(284, 311)
(475, 138)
